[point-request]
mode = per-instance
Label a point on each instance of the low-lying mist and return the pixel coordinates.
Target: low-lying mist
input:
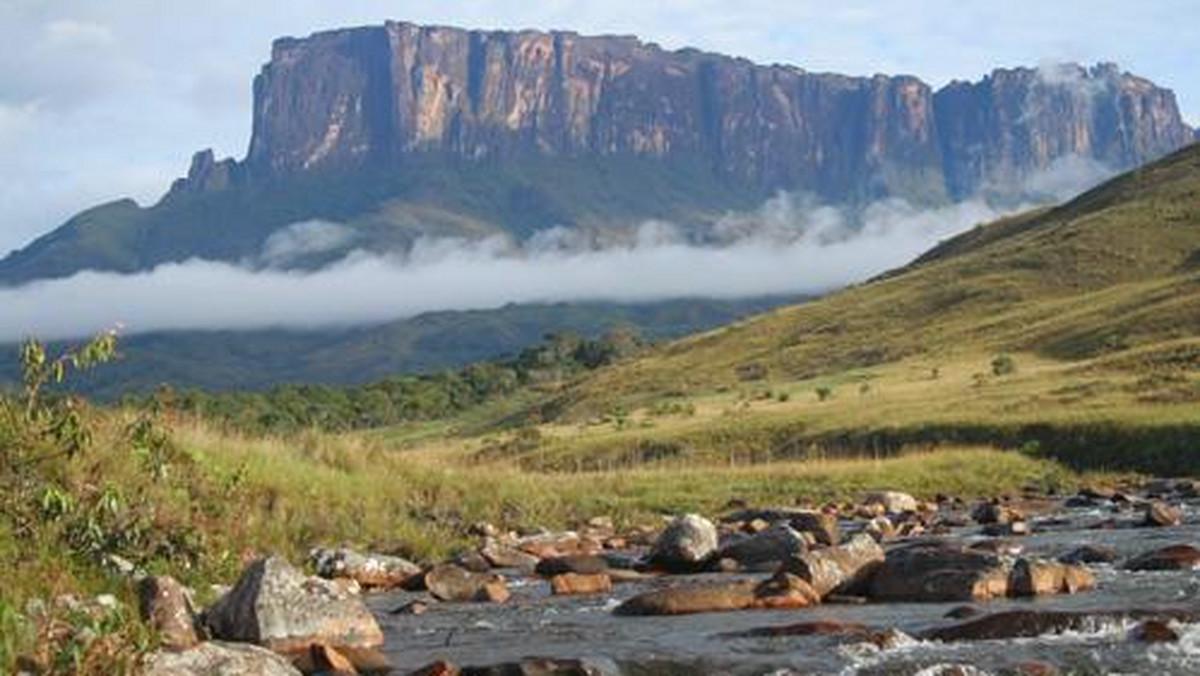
(789, 245)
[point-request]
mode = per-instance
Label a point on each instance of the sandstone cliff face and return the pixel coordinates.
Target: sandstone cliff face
(1015, 122)
(369, 97)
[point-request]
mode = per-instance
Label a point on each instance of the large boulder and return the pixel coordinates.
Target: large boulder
(938, 571)
(166, 607)
(770, 547)
(277, 606)
(1160, 514)
(846, 568)
(994, 513)
(218, 659)
(568, 584)
(779, 592)
(371, 571)
(1036, 577)
(892, 502)
(1173, 557)
(449, 582)
(943, 572)
(686, 545)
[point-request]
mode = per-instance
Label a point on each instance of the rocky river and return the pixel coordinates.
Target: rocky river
(536, 624)
(1102, 582)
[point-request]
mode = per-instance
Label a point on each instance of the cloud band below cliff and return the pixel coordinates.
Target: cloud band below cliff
(782, 249)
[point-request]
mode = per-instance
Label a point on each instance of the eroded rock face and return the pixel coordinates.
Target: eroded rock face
(275, 605)
(686, 545)
(218, 659)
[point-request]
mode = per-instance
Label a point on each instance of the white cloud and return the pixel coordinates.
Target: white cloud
(16, 118)
(786, 250)
(1066, 177)
(296, 241)
(76, 34)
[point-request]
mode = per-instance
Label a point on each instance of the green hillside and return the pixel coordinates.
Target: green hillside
(1093, 308)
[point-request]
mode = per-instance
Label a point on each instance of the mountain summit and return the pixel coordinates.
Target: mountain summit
(399, 131)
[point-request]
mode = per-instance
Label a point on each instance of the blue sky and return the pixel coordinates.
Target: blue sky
(100, 100)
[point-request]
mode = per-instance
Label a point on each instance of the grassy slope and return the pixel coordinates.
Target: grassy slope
(1098, 300)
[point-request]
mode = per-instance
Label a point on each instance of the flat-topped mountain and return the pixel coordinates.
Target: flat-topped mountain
(399, 131)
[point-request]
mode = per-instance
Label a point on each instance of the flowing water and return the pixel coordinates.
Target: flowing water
(535, 624)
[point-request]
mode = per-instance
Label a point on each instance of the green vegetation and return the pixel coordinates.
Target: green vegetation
(440, 396)
(428, 343)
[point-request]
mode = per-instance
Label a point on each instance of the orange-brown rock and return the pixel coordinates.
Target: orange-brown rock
(580, 584)
(165, 606)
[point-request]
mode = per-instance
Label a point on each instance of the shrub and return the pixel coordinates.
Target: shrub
(751, 371)
(1003, 365)
(824, 393)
